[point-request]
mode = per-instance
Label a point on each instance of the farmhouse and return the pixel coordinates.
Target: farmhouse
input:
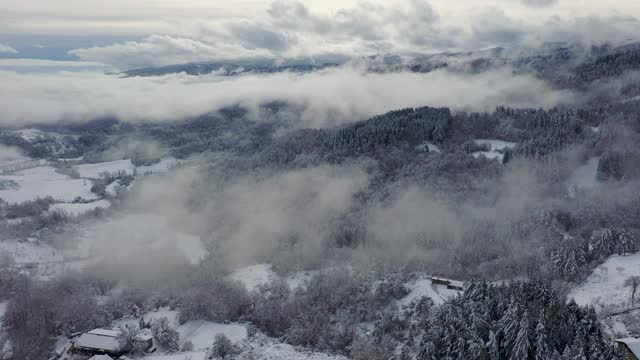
(632, 345)
(99, 342)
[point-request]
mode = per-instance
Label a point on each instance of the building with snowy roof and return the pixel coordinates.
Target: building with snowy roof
(632, 345)
(100, 342)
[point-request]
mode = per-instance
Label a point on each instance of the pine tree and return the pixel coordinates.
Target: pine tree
(522, 344)
(493, 347)
(542, 348)
(508, 326)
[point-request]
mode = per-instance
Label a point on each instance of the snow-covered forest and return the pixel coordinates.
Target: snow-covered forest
(396, 204)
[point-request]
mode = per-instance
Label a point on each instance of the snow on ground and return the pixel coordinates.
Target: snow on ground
(604, 288)
(180, 356)
(44, 181)
(264, 348)
(171, 315)
(113, 188)
(202, 333)
(584, 177)
(163, 166)
(30, 134)
(255, 275)
(495, 145)
(93, 171)
(428, 147)
(423, 287)
(496, 148)
(80, 208)
(27, 252)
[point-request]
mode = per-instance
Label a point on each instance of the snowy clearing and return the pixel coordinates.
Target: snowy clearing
(496, 149)
(32, 134)
(495, 145)
(93, 171)
(424, 287)
(44, 181)
(262, 274)
(201, 333)
(584, 177)
(268, 349)
(80, 208)
(604, 288)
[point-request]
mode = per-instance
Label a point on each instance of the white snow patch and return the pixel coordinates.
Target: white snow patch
(253, 276)
(425, 288)
(267, 349)
(27, 252)
(495, 145)
(584, 177)
(80, 208)
(492, 155)
(30, 134)
(604, 288)
(202, 333)
(44, 181)
(179, 356)
(113, 188)
(93, 171)
(428, 147)
(171, 315)
(496, 149)
(262, 274)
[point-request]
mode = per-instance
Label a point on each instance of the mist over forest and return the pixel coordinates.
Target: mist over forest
(320, 181)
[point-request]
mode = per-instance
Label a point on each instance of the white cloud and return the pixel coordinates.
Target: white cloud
(158, 50)
(289, 28)
(327, 97)
(6, 49)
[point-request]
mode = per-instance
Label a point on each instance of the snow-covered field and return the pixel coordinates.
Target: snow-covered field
(201, 333)
(584, 177)
(80, 208)
(93, 171)
(604, 288)
(192, 355)
(496, 148)
(44, 181)
(263, 348)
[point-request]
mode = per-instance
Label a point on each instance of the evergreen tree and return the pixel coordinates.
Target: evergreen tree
(522, 345)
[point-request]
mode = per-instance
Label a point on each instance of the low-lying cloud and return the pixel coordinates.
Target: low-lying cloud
(327, 98)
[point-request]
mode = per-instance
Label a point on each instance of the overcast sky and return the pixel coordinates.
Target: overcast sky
(135, 33)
